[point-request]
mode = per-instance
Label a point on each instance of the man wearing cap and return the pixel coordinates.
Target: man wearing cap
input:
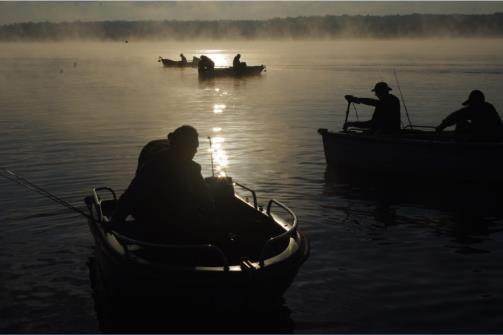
(479, 119)
(386, 117)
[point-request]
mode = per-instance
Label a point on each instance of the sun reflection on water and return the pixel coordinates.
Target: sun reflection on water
(218, 108)
(220, 59)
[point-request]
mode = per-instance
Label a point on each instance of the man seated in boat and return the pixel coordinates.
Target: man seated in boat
(479, 120)
(205, 64)
(168, 197)
(236, 62)
(386, 117)
(184, 59)
(150, 151)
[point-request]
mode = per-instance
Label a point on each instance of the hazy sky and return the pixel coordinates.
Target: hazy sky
(57, 11)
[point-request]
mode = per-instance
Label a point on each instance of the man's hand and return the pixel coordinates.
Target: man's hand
(351, 98)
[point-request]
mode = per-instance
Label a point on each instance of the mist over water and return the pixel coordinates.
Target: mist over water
(74, 116)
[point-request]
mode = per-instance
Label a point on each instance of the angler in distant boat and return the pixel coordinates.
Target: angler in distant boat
(238, 69)
(236, 62)
(183, 63)
(168, 192)
(184, 59)
(205, 64)
(386, 117)
(479, 120)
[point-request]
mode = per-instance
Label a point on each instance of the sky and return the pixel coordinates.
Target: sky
(61, 11)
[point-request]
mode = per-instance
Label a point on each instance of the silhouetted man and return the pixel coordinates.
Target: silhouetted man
(236, 62)
(386, 117)
(205, 64)
(150, 151)
(184, 59)
(169, 194)
(479, 119)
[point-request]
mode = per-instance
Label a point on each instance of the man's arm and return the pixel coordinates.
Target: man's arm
(452, 119)
(202, 195)
(365, 101)
(139, 187)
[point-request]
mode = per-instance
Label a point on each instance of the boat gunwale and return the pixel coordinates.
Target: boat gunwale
(397, 139)
(167, 62)
(295, 243)
(230, 71)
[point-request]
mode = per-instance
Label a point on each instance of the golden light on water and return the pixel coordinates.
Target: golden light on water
(218, 108)
(219, 156)
(220, 59)
(217, 129)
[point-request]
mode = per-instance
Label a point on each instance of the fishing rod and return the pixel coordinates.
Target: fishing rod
(13, 177)
(403, 100)
(356, 112)
(345, 126)
(211, 157)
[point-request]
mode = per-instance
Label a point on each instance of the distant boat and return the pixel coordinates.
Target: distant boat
(178, 63)
(426, 154)
(232, 72)
(256, 257)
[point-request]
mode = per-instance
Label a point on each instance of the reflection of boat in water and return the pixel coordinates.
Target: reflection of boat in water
(414, 153)
(145, 315)
(178, 63)
(256, 257)
(232, 72)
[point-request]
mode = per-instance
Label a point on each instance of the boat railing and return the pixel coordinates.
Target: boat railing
(254, 196)
(125, 240)
(286, 234)
(98, 200)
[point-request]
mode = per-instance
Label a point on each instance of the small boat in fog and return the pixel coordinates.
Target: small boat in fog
(428, 154)
(256, 255)
(178, 63)
(232, 72)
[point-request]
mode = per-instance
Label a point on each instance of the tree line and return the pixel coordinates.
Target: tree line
(313, 27)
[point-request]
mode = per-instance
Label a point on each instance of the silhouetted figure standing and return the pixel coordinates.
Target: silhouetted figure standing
(184, 59)
(236, 62)
(386, 117)
(205, 64)
(479, 120)
(168, 195)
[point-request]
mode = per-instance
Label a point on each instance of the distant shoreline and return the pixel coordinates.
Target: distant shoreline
(328, 27)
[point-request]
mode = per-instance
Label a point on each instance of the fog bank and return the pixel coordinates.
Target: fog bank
(314, 27)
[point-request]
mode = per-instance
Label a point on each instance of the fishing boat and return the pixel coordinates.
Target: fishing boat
(178, 63)
(232, 72)
(256, 256)
(444, 156)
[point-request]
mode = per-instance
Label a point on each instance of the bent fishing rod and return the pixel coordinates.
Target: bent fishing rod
(15, 178)
(402, 98)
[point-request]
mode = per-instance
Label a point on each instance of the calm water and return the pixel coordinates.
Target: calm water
(74, 116)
